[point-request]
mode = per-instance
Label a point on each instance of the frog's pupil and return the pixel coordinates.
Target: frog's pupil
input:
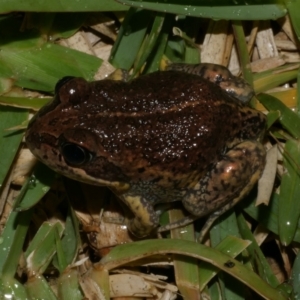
(74, 154)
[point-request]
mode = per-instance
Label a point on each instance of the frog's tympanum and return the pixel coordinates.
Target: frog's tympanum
(162, 137)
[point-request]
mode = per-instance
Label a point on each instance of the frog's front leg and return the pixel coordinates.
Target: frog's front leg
(227, 183)
(145, 218)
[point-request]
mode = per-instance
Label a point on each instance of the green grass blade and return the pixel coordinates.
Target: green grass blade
(231, 245)
(149, 43)
(12, 240)
(9, 141)
(267, 215)
(11, 288)
(289, 119)
(296, 275)
(43, 247)
(289, 204)
(293, 9)
(70, 242)
(40, 183)
(153, 62)
(186, 268)
(264, 81)
(192, 53)
(214, 9)
(272, 117)
(258, 259)
(60, 257)
(38, 288)
(224, 226)
(60, 6)
(23, 102)
(298, 94)
(68, 286)
(130, 38)
(131, 252)
(243, 51)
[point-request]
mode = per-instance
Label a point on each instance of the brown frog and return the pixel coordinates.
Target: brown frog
(162, 137)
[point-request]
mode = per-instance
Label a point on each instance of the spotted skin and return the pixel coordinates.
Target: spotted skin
(163, 137)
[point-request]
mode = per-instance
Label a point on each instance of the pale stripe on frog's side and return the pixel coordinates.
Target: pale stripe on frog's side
(163, 137)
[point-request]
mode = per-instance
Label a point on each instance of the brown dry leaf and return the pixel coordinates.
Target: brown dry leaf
(102, 220)
(23, 166)
(260, 233)
(265, 64)
(215, 42)
(265, 41)
(266, 181)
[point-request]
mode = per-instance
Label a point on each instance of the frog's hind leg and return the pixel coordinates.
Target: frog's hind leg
(227, 183)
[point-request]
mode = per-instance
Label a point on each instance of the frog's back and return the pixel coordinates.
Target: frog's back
(165, 121)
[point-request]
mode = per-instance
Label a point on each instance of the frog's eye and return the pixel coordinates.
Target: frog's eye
(62, 82)
(75, 155)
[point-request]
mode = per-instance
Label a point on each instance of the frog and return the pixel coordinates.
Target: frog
(177, 135)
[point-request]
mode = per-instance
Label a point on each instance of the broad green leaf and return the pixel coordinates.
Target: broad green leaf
(36, 64)
(40, 67)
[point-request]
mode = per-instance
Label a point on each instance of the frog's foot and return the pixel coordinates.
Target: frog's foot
(227, 183)
(145, 219)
